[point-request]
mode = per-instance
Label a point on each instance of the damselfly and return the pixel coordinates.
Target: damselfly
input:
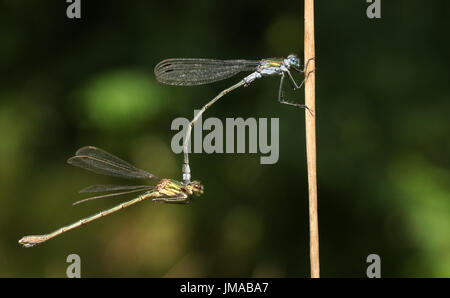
(102, 162)
(191, 72)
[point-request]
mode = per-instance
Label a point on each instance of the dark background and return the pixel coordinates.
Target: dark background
(383, 139)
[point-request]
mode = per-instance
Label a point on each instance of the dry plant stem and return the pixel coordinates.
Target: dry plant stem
(310, 121)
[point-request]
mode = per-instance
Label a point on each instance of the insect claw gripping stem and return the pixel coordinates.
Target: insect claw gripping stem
(307, 63)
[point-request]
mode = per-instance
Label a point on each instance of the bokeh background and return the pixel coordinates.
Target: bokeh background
(383, 102)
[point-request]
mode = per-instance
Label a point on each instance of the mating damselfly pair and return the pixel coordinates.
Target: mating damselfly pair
(179, 72)
(102, 162)
(192, 72)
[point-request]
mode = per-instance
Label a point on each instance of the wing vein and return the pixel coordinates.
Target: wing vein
(190, 72)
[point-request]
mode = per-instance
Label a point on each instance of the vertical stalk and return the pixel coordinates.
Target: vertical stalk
(310, 124)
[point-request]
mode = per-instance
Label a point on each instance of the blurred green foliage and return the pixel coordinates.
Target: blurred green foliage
(383, 139)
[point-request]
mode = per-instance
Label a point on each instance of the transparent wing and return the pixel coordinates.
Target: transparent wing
(101, 162)
(190, 72)
(105, 188)
(148, 187)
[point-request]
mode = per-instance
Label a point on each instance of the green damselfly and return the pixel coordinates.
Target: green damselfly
(102, 162)
(192, 72)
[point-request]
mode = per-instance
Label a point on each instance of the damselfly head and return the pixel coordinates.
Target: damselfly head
(195, 187)
(293, 61)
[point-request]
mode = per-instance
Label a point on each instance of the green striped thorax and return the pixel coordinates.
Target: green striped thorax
(194, 188)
